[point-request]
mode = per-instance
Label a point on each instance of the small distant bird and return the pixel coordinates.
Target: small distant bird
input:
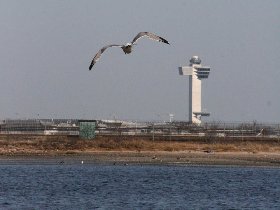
(127, 48)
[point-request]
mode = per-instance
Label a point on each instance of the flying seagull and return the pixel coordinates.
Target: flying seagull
(127, 48)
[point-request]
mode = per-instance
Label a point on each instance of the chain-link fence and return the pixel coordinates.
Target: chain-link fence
(183, 130)
(153, 130)
(40, 126)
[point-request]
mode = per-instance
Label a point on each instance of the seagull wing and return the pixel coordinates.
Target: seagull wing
(150, 36)
(98, 54)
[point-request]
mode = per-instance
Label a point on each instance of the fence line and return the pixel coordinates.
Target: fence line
(153, 129)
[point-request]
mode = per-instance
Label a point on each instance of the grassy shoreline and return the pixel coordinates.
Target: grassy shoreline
(36, 143)
(113, 150)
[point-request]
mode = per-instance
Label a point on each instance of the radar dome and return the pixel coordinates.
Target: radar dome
(195, 60)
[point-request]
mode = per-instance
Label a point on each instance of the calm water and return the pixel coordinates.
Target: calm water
(92, 186)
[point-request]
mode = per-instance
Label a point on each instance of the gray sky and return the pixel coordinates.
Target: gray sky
(46, 48)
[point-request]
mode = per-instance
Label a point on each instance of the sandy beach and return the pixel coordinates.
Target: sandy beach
(147, 157)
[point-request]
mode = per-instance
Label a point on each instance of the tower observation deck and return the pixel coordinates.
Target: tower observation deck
(196, 73)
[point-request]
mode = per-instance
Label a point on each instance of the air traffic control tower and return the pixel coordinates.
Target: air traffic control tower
(196, 73)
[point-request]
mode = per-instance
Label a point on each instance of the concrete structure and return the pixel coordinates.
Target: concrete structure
(196, 73)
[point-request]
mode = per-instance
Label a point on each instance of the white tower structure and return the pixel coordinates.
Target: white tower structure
(196, 73)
